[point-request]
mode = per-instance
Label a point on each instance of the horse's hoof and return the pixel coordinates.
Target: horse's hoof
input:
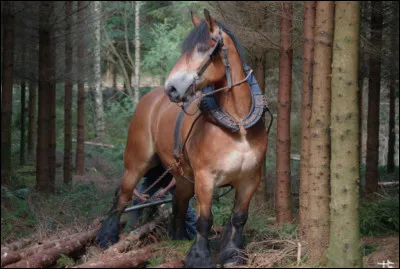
(232, 256)
(109, 231)
(198, 258)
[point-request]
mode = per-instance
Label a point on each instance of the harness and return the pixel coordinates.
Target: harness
(208, 103)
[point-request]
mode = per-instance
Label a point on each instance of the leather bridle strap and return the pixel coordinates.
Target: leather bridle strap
(219, 45)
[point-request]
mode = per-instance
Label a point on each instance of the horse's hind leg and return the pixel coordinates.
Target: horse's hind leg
(232, 245)
(138, 159)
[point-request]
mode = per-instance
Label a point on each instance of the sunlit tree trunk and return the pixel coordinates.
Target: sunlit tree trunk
(371, 176)
(318, 213)
(283, 190)
(80, 150)
(137, 51)
(344, 242)
(67, 165)
(97, 74)
(308, 58)
(394, 72)
(7, 90)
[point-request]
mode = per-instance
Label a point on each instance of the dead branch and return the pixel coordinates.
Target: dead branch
(122, 260)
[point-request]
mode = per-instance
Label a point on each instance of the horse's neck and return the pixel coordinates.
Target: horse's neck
(237, 100)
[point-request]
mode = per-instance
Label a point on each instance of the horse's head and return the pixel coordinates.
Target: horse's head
(202, 60)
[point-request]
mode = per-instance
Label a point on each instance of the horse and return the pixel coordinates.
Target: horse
(213, 155)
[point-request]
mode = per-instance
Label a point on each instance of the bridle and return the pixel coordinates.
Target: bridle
(219, 45)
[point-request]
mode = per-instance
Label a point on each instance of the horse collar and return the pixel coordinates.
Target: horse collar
(209, 105)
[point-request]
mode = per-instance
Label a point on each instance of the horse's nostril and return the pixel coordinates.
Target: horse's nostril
(172, 89)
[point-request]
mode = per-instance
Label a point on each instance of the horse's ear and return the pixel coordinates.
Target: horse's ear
(210, 21)
(196, 20)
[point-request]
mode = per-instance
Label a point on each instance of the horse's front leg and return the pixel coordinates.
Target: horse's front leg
(232, 245)
(199, 255)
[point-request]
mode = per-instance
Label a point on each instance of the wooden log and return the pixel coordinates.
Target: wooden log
(129, 259)
(389, 184)
(9, 257)
(128, 242)
(49, 256)
(17, 245)
(96, 144)
(174, 264)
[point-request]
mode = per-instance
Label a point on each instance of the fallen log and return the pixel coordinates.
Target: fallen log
(9, 257)
(174, 264)
(389, 184)
(128, 242)
(129, 259)
(49, 256)
(96, 144)
(17, 245)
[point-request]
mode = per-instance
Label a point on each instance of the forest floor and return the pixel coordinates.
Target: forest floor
(71, 210)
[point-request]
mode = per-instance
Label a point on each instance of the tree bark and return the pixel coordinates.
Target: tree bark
(97, 75)
(42, 152)
(22, 120)
(50, 255)
(283, 191)
(344, 241)
(52, 108)
(114, 76)
(32, 117)
(371, 176)
(308, 58)
(67, 165)
(394, 72)
(137, 51)
(80, 149)
(318, 213)
(7, 90)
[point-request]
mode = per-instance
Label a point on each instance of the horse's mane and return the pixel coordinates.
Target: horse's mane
(200, 35)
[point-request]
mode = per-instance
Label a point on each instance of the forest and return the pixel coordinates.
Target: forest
(74, 74)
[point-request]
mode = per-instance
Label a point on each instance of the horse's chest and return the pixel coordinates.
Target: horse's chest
(238, 161)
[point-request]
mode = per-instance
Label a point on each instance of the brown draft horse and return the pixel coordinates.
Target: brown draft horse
(213, 156)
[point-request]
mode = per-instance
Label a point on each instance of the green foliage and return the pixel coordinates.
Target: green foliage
(65, 261)
(163, 45)
(155, 260)
(380, 217)
(368, 249)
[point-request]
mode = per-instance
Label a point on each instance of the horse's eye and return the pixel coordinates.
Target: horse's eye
(202, 48)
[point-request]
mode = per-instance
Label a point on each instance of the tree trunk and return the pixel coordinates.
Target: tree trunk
(344, 241)
(392, 88)
(308, 58)
(32, 117)
(283, 192)
(97, 75)
(114, 76)
(371, 176)
(67, 165)
(7, 90)
(318, 214)
(260, 72)
(137, 51)
(43, 136)
(80, 153)
(22, 130)
(52, 109)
